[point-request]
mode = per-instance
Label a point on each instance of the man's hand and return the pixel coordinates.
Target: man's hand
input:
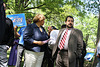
(7, 47)
(98, 56)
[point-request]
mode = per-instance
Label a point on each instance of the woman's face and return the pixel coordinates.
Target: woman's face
(41, 19)
(42, 22)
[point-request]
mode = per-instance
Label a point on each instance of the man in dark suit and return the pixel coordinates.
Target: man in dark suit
(68, 45)
(2, 20)
(7, 40)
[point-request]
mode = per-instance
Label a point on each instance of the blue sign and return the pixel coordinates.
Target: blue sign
(18, 19)
(89, 56)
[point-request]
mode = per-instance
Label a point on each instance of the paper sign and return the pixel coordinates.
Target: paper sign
(18, 19)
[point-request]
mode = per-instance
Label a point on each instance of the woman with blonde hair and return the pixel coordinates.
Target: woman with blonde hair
(35, 41)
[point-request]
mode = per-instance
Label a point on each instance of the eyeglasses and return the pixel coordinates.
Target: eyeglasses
(29, 21)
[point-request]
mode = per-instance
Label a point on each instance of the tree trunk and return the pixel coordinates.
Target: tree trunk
(87, 37)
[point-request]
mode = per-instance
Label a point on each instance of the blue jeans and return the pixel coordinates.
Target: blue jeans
(3, 56)
(98, 64)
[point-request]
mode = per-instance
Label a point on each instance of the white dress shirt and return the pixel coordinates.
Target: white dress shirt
(53, 37)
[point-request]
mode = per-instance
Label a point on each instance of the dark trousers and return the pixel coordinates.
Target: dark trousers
(62, 59)
(48, 61)
(80, 62)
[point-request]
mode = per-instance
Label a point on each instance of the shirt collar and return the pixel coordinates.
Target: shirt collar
(34, 25)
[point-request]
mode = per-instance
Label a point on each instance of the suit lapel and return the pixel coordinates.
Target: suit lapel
(71, 34)
(58, 38)
(59, 35)
(57, 41)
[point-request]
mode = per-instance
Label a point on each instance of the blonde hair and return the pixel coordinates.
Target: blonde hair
(38, 17)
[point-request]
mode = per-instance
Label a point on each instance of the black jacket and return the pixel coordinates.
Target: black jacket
(2, 20)
(32, 33)
(84, 49)
(9, 33)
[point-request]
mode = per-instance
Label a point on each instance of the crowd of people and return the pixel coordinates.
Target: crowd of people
(56, 48)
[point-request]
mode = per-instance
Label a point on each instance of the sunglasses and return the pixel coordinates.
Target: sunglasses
(29, 21)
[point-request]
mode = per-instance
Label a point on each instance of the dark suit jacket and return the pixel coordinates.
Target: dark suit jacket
(75, 44)
(2, 21)
(8, 37)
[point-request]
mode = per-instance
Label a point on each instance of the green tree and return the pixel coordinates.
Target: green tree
(88, 25)
(27, 6)
(94, 6)
(47, 6)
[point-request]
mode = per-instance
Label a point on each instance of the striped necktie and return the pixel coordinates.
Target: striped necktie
(62, 42)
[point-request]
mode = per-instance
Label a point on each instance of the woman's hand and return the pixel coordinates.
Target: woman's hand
(38, 42)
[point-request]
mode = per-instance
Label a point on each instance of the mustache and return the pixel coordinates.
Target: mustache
(70, 24)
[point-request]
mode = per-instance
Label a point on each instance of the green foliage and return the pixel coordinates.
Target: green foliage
(57, 19)
(93, 6)
(56, 11)
(88, 25)
(48, 6)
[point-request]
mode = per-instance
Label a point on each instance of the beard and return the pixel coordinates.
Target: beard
(69, 26)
